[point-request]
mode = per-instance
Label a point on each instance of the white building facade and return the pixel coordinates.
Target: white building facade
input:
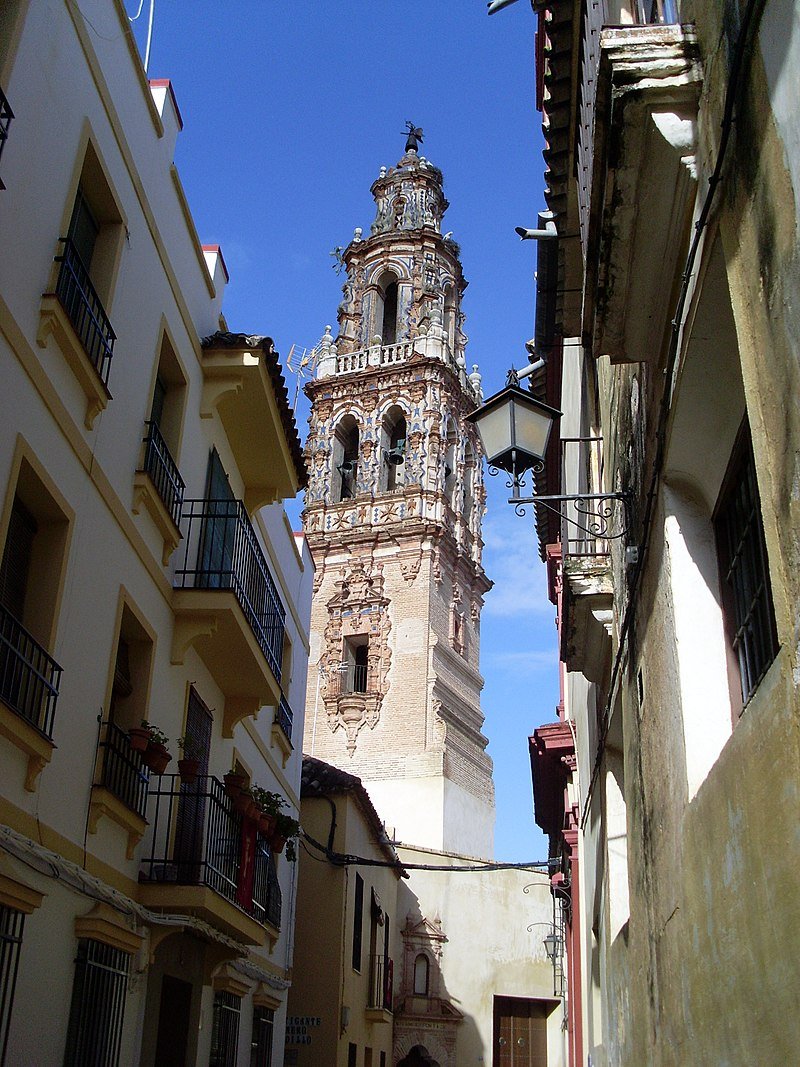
(149, 573)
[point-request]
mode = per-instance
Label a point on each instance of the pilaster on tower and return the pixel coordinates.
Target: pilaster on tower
(393, 517)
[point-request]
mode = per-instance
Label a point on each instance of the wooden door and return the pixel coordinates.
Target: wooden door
(520, 1032)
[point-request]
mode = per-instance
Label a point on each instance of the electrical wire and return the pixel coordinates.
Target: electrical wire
(341, 859)
(738, 69)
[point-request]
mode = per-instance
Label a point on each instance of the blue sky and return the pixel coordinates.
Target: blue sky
(290, 109)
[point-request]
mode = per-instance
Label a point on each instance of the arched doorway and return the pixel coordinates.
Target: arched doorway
(418, 1057)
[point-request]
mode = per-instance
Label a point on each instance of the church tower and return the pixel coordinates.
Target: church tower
(393, 517)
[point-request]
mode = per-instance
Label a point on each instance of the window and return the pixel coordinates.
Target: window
(11, 927)
(421, 971)
(89, 260)
(450, 318)
(389, 324)
(163, 431)
(261, 1048)
(225, 1029)
(469, 481)
(358, 921)
(31, 576)
(744, 574)
(450, 461)
(352, 1054)
(356, 656)
(98, 1005)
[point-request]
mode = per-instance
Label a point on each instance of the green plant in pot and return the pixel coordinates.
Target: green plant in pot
(156, 756)
(269, 806)
(189, 763)
(287, 830)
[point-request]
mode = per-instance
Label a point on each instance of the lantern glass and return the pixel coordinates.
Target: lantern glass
(551, 946)
(514, 429)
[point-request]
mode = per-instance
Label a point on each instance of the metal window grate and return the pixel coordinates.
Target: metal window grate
(747, 594)
(163, 472)
(29, 678)
(84, 309)
(12, 923)
(225, 1030)
(284, 717)
(123, 772)
(221, 551)
(263, 1035)
(96, 1015)
(380, 983)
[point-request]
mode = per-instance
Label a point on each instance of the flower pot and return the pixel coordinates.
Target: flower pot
(266, 825)
(250, 809)
(156, 757)
(277, 843)
(234, 784)
(188, 770)
(139, 738)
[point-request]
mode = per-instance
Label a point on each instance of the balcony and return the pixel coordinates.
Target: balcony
(203, 857)
(227, 607)
(159, 486)
(6, 115)
(120, 794)
(379, 1000)
(243, 385)
(282, 728)
(75, 316)
(29, 681)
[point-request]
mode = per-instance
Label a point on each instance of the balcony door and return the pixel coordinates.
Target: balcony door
(190, 822)
(218, 536)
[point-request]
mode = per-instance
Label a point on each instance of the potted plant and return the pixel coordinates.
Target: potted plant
(269, 806)
(189, 763)
(139, 736)
(234, 784)
(156, 756)
(286, 830)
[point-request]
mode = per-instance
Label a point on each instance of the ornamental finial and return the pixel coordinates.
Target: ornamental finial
(414, 137)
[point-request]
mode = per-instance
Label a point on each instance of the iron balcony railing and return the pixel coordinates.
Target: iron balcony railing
(284, 717)
(356, 679)
(123, 772)
(656, 12)
(84, 309)
(586, 525)
(380, 983)
(221, 551)
(163, 472)
(6, 115)
(196, 837)
(29, 677)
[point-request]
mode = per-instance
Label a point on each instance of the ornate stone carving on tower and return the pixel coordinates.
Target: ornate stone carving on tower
(393, 516)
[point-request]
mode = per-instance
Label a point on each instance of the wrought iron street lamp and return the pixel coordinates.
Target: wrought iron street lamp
(514, 428)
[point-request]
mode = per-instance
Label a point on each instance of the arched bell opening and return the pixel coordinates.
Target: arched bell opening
(345, 459)
(393, 435)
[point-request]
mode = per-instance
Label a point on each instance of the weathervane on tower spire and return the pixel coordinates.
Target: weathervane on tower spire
(414, 138)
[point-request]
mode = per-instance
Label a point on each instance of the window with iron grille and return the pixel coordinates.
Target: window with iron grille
(98, 1005)
(744, 574)
(263, 1028)
(225, 1029)
(358, 921)
(11, 925)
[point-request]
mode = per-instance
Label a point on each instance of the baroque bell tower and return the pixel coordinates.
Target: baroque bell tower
(393, 517)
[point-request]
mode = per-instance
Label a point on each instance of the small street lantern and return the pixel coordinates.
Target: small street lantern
(514, 429)
(552, 946)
